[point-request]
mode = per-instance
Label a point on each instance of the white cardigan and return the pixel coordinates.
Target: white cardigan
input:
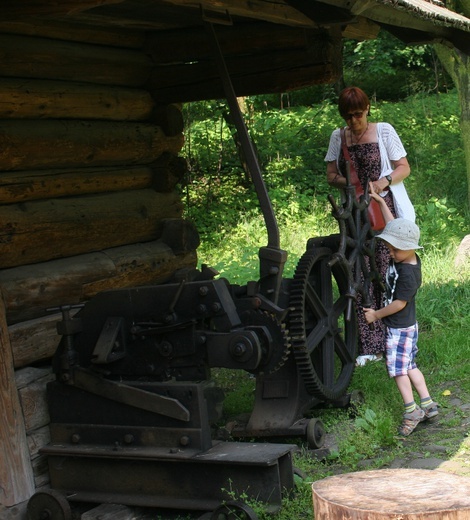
(391, 149)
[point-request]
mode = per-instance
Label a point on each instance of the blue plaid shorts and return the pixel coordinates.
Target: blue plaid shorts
(401, 350)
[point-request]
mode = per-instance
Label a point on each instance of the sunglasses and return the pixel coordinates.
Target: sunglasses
(356, 115)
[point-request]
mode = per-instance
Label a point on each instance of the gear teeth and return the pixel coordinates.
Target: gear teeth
(279, 358)
(296, 320)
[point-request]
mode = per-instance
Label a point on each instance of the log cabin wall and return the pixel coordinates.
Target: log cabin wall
(88, 172)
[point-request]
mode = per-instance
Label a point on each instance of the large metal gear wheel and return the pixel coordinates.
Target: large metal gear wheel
(322, 328)
(275, 346)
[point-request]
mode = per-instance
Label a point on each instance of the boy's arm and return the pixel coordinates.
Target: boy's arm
(387, 214)
(374, 315)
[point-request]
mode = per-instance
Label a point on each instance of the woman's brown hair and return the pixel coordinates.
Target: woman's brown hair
(352, 98)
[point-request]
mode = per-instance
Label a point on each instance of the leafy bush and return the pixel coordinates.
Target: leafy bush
(291, 146)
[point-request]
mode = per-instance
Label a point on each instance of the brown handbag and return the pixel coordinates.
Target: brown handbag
(376, 218)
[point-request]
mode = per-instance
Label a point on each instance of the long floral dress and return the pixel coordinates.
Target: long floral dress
(366, 159)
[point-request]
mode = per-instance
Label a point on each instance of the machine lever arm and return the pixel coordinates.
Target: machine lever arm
(130, 395)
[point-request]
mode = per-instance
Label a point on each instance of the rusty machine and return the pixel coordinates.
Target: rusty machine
(133, 403)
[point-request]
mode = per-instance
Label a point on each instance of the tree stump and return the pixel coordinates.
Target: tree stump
(392, 494)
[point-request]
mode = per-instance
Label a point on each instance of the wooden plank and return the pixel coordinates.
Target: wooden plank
(110, 512)
(42, 58)
(29, 290)
(247, 39)
(43, 230)
(36, 99)
(389, 494)
(16, 475)
(81, 144)
(319, 61)
(40, 470)
(361, 29)
(270, 62)
(38, 439)
(204, 84)
(34, 403)
(23, 186)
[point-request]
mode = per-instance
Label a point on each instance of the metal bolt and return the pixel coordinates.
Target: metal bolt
(128, 438)
(184, 441)
(239, 349)
(203, 290)
(75, 438)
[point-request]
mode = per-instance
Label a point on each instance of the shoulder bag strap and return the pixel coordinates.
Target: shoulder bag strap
(354, 179)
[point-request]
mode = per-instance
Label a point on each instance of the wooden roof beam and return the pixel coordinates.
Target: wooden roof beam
(28, 8)
(274, 12)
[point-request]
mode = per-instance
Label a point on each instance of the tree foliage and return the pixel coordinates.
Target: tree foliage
(291, 147)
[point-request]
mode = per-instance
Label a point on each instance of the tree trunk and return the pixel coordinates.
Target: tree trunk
(457, 64)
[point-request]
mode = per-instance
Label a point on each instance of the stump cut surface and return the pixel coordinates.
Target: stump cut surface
(392, 494)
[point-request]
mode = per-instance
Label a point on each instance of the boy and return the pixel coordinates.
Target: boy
(399, 316)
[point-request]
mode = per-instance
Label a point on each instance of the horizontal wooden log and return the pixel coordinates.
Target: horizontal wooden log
(42, 58)
(41, 144)
(70, 30)
(30, 290)
(256, 74)
(34, 340)
(38, 231)
(46, 184)
(36, 99)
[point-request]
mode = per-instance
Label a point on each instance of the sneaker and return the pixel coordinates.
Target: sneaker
(430, 411)
(410, 421)
(362, 360)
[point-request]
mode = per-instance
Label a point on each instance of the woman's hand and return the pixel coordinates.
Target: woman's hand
(373, 194)
(378, 186)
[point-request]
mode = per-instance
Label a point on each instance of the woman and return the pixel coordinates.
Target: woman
(381, 165)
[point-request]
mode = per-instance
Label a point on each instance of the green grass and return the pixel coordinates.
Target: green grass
(443, 314)
(233, 231)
